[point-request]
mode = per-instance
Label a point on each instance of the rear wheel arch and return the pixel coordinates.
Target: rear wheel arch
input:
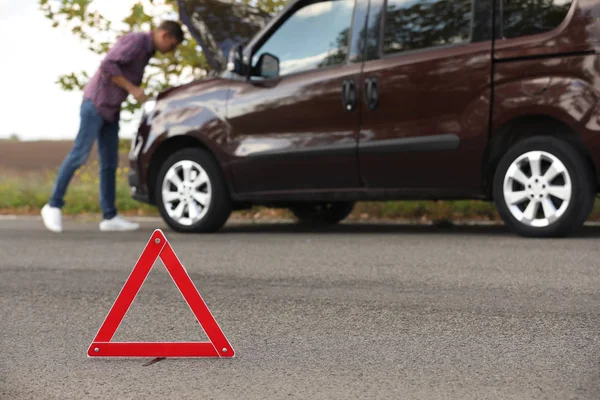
(543, 187)
(524, 127)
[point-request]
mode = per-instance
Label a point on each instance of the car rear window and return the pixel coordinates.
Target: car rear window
(530, 17)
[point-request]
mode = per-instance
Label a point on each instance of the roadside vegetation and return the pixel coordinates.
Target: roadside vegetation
(26, 193)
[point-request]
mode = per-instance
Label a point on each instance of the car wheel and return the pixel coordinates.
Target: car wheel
(543, 188)
(191, 193)
(327, 214)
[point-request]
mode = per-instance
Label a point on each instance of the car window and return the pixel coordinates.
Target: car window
(315, 36)
(420, 24)
(529, 17)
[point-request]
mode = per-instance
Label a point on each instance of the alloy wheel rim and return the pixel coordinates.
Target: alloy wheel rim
(186, 192)
(537, 189)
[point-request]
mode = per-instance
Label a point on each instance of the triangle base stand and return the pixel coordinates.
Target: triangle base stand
(158, 247)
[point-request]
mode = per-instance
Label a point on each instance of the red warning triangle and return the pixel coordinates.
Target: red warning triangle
(158, 246)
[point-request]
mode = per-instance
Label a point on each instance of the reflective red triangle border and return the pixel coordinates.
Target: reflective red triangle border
(159, 247)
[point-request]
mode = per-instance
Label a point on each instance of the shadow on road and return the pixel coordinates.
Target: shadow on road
(388, 228)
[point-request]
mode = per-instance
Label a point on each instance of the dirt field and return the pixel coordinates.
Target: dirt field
(39, 155)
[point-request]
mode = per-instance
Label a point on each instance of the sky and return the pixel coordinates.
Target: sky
(32, 105)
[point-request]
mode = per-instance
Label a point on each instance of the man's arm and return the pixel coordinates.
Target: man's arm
(125, 50)
(135, 91)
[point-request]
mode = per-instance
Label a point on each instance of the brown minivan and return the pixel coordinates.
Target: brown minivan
(336, 101)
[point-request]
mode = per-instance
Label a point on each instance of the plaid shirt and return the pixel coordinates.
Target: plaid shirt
(128, 57)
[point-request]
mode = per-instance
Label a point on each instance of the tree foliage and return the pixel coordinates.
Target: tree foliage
(98, 34)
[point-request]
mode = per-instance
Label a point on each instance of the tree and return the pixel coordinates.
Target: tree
(99, 33)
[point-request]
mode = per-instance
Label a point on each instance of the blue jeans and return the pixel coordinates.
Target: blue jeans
(92, 126)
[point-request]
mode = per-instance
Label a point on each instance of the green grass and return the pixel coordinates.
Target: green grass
(27, 193)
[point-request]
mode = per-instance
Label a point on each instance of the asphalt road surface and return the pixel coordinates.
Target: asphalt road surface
(361, 311)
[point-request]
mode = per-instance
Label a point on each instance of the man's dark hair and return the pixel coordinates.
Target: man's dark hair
(173, 28)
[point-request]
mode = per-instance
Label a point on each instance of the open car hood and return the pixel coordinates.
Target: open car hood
(218, 25)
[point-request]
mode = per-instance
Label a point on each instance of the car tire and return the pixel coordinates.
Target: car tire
(198, 202)
(554, 202)
(322, 214)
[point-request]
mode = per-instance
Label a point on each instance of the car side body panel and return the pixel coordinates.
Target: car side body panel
(292, 132)
(431, 125)
(284, 132)
(554, 75)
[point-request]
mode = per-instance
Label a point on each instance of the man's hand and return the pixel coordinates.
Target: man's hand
(135, 91)
(138, 94)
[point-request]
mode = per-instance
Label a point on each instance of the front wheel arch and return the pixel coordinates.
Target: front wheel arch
(215, 212)
(169, 147)
(522, 128)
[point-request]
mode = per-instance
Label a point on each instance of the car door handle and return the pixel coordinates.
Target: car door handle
(349, 95)
(372, 93)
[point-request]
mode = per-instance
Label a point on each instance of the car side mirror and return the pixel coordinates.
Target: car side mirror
(235, 61)
(268, 65)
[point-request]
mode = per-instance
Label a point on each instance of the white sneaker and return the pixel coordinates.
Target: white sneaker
(118, 224)
(52, 218)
